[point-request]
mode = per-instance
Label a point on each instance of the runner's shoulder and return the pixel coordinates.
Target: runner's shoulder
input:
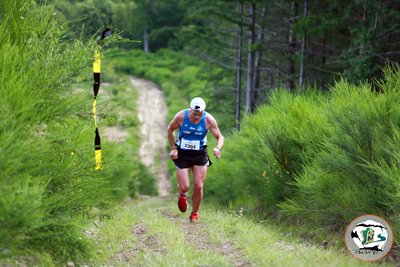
(179, 117)
(210, 121)
(210, 118)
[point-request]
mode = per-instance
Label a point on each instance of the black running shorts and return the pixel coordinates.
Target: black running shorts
(189, 158)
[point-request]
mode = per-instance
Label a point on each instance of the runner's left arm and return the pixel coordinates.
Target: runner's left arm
(213, 127)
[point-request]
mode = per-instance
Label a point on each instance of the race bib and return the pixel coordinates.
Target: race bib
(190, 144)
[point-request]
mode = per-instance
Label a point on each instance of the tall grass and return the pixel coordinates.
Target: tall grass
(47, 178)
(318, 158)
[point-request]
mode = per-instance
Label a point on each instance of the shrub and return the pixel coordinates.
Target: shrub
(317, 158)
(46, 141)
(274, 145)
(356, 170)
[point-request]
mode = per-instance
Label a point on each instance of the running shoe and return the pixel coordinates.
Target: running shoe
(194, 216)
(182, 203)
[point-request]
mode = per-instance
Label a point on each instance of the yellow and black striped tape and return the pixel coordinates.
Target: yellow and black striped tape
(96, 86)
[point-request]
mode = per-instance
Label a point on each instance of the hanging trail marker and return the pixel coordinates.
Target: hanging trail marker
(96, 86)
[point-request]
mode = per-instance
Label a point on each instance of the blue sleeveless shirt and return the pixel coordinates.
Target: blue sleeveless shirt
(192, 136)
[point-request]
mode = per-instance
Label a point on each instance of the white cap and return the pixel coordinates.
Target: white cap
(198, 104)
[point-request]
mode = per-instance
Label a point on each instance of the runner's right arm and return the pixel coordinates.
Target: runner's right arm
(175, 124)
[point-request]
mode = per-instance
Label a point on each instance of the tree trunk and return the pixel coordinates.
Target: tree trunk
(324, 51)
(250, 59)
(365, 22)
(238, 68)
(145, 30)
(292, 47)
(146, 38)
(303, 45)
(258, 60)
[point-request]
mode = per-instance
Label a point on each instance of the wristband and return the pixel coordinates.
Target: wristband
(218, 148)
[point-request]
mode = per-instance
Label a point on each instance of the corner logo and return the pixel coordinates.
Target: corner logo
(369, 237)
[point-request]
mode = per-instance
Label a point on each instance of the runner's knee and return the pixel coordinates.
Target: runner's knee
(198, 187)
(183, 188)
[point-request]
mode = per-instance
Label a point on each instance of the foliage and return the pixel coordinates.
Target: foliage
(86, 17)
(309, 157)
(162, 18)
(354, 172)
(350, 38)
(273, 146)
(181, 78)
(317, 158)
(48, 184)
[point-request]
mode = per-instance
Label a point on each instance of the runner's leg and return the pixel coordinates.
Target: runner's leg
(183, 180)
(199, 173)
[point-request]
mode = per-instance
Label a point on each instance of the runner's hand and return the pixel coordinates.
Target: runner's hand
(173, 153)
(217, 152)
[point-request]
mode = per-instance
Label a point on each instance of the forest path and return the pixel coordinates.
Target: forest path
(150, 231)
(152, 114)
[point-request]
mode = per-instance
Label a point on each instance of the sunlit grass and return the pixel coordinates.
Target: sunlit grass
(144, 234)
(267, 244)
(173, 239)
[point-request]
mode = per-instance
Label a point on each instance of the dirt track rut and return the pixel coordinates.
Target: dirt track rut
(152, 114)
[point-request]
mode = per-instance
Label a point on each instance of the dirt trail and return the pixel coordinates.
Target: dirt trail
(196, 234)
(152, 114)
